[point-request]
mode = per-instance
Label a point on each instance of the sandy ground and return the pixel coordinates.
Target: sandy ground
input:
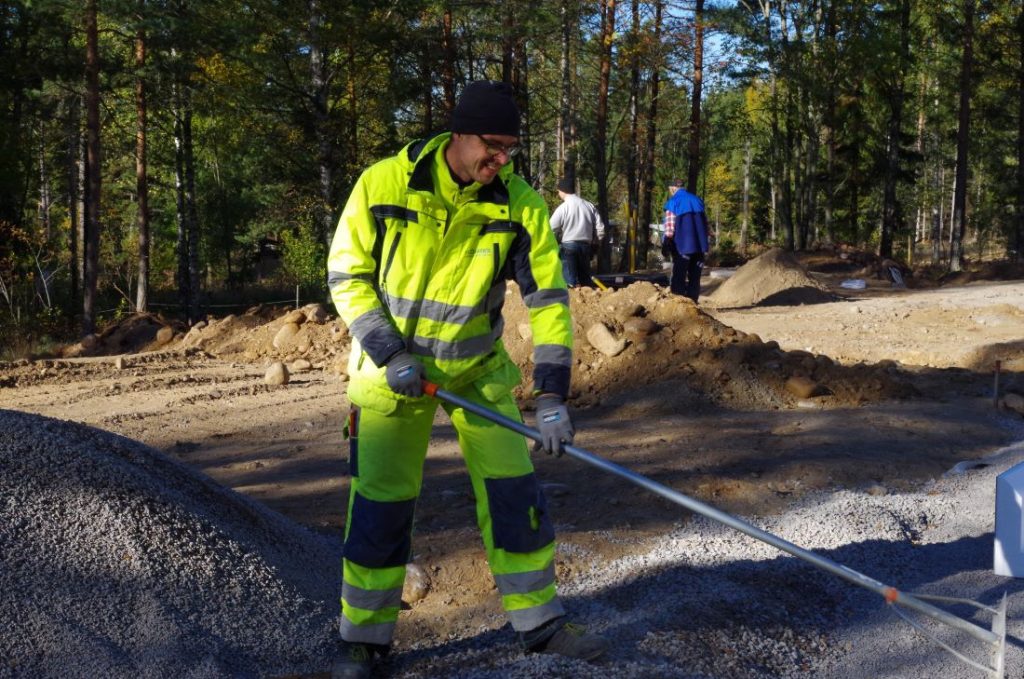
(904, 390)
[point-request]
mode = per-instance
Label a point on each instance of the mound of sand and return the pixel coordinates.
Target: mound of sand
(654, 336)
(775, 278)
(116, 561)
(667, 338)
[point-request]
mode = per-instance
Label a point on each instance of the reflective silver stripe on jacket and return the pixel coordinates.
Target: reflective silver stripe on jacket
(434, 311)
(481, 345)
(336, 278)
(545, 297)
(457, 314)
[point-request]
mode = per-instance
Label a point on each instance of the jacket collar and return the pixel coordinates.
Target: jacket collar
(421, 154)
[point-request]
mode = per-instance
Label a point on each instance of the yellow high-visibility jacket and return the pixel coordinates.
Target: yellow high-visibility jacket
(420, 263)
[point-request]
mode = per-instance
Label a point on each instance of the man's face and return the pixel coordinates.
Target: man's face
(479, 157)
(673, 188)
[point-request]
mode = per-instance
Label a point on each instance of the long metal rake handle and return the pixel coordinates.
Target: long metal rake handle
(997, 640)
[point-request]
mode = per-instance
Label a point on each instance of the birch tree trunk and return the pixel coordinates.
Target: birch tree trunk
(939, 179)
(74, 190)
(745, 220)
(521, 82)
(45, 200)
(921, 218)
(141, 177)
(181, 244)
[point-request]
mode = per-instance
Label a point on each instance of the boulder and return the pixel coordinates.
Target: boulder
(602, 339)
(804, 387)
(284, 336)
(300, 366)
(316, 313)
(276, 375)
(417, 584)
(1014, 402)
(296, 316)
(164, 335)
(640, 327)
(339, 332)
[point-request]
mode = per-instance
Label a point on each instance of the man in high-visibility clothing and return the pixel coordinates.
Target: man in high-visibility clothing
(418, 270)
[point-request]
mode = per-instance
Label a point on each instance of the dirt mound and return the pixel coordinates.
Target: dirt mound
(136, 333)
(272, 334)
(261, 334)
(649, 336)
(117, 561)
(665, 337)
(775, 278)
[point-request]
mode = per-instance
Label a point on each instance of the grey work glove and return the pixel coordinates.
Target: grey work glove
(405, 374)
(554, 424)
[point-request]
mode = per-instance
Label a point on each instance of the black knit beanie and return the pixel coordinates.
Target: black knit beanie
(486, 107)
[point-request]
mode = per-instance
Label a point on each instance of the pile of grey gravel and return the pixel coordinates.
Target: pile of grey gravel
(116, 561)
(707, 601)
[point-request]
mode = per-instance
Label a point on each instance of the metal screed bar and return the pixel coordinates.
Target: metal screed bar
(995, 638)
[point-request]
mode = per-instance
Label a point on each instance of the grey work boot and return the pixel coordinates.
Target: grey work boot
(355, 660)
(564, 638)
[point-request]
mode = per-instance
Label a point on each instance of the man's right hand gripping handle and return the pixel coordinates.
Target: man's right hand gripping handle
(405, 374)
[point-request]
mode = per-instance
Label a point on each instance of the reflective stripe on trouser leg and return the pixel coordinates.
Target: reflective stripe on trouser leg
(390, 454)
(511, 512)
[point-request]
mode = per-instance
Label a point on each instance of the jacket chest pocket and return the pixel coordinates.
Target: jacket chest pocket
(487, 263)
(407, 245)
(498, 236)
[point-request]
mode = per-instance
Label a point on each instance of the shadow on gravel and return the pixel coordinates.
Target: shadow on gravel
(783, 601)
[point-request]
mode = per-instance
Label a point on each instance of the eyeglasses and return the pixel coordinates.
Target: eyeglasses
(494, 148)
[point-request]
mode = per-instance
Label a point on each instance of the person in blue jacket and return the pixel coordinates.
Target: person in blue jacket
(686, 239)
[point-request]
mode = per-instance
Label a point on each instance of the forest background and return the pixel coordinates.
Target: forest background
(191, 157)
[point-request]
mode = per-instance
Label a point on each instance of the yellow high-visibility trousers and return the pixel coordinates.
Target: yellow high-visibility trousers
(386, 463)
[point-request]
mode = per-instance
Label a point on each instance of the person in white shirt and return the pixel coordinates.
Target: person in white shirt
(578, 229)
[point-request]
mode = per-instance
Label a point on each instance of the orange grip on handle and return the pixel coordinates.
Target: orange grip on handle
(429, 388)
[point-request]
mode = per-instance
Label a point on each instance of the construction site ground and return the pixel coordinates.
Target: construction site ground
(783, 383)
